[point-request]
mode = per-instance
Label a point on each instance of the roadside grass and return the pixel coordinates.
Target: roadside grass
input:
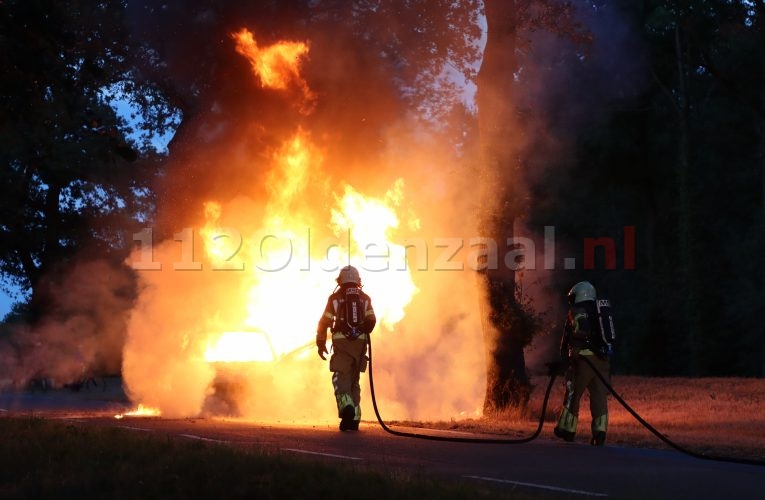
(54, 459)
(712, 416)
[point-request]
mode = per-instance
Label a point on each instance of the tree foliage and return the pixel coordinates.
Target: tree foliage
(73, 178)
(592, 116)
(680, 158)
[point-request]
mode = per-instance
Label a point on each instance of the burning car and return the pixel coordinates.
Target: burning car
(250, 375)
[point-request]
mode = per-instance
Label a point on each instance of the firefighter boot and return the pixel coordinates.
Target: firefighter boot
(566, 428)
(598, 439)
(354, 426)
(347, 412)
(564, 434)
(599, 426)
(346, 419)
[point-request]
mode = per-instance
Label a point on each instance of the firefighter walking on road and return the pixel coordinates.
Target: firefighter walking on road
(350, 318)
(588, 334)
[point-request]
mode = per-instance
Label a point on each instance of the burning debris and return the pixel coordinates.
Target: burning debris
(139, 411)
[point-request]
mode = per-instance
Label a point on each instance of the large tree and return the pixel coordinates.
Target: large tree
(506, 137)
(73, 178)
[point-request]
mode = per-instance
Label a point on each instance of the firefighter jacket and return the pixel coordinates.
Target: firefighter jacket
(580, 332)
(348, 314)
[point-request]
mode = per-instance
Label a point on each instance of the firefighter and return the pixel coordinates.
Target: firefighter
(350, 318)
(582, 337)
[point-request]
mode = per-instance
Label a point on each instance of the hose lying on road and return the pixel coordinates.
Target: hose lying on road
(432, 437)
(553, 372)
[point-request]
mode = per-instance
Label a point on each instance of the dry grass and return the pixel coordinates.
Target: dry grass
(711, 416)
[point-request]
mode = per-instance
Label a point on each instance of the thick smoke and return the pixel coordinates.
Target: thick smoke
(228, 169)
(224, 171)
(360, 133)
(82, 333)
(561, 90)
(429, 364)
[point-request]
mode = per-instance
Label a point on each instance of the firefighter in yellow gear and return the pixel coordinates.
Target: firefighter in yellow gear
(350, 318)
(581, 338)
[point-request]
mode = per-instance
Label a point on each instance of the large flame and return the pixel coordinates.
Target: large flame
(231, 330)
(276, 66)
(241, 346)
(371, 222)
(292, 268)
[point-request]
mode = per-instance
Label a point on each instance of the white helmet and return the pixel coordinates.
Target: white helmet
(349, 274)
(580, 292)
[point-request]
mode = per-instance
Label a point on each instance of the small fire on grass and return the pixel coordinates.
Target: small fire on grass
(140, 411)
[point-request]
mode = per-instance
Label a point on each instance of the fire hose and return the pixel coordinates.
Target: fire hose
(661, 436)
(553, 371)
(553, 374)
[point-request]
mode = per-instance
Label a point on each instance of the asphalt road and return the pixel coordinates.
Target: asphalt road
(546, 465)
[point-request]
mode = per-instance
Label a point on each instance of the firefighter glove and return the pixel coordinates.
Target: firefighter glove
(322, 347)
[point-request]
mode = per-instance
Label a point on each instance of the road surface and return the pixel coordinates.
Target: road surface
(546, 465)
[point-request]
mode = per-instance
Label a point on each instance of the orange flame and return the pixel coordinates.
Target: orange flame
(139, 411)
(276, 66)
(371, 222)
(255, 342)
(293, 268)
(241, 347)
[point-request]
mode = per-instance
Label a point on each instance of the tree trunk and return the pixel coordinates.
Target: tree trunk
(761, 32)
(506, 382)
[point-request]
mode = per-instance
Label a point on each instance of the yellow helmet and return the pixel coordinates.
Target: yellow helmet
(349, 274)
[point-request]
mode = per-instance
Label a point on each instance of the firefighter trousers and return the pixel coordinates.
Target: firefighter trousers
(346, 364)
(580, 377)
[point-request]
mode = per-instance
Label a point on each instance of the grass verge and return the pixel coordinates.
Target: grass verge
(711, 416)
(49, 459)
